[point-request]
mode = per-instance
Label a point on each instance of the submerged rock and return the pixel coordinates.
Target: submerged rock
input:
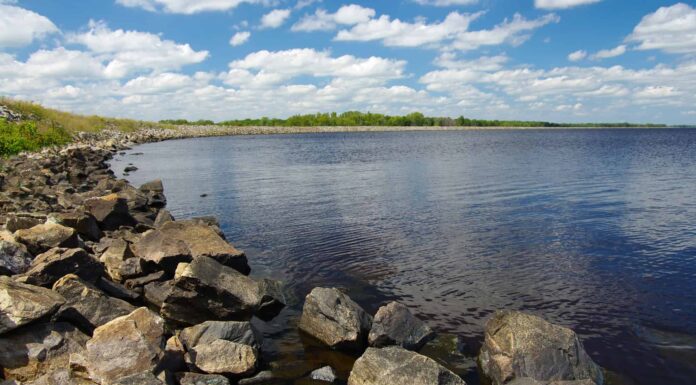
(395, 325)
(326, 374)
(397, 366)
(522, 345)
(21, 303)
(334, 319)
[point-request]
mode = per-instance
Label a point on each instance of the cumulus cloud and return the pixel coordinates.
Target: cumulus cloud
(19, 26)
(609, 53)
(275, 18)
(322, 20)
(670, 29)
(134, 50)
(404, 34)
(514, 32)
(562, 4)
(577, 55)
(184, 6)
(445, 3)
(240, 38)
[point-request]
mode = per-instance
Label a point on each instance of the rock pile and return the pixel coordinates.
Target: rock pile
(100, 285)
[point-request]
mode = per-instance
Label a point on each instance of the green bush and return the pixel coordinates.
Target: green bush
(24, 136)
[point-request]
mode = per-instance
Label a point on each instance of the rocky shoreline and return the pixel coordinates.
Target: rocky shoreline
(99, 284)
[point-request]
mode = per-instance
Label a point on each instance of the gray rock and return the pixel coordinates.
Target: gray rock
(39, 349)
(22, 221)
(334, 319)
(139, 282)
(152, 186)
(126, 346)
(397, 366)
(21, 304)
(272, 299)
(14, 258)
(202, 379)
(86, 306)
(110, 211)
(52, 265)
(43, 237)
(209, 331)
(522, 345)
(224, 357)
(395, 325)
(265, 377)
(182, 241)
(326, 374)
(146, 378)
(117, 290)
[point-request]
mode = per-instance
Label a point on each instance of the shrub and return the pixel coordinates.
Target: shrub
(24, 136)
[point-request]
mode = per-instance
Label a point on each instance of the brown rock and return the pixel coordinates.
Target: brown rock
(50, 266)
(21, 303)
(41, 238)
(111, 211)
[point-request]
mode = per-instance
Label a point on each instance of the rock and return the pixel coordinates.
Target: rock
(326, 374)
(163, 216)
(202, 379)
(222, 356)
(21, 304)
(154, 191)
(117, 290)
(22, 221)
(59, 376)
(127, 345)
(86, 306)
(157, 292)
(394, 365)
(142, 281)
(209, 331)
(130, 169)
(531, 381)
(272, 299)
(41, 238)
(164, 246)
(37, 349)
(174, 353)
(146, 378)
(114, 257)
(154, 186)
(14, 258)
(395, 325)
(334, 319)
(206, 290)
(522, 345)
(133, 268)
(110, 211)
(52, 265)
(84, 223)
(265, 377)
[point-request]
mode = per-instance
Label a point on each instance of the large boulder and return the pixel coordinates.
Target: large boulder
(84, 223)
(224, 357)
(207, 290)
(126, 346)
(209, 331)
(38, 349)
(43, 237)
(182, 241)
(395, 325)
(154, 191)
(86, 306)
(21, 304)
(14, 258)
(110, 211)
(522, 345)
(397, 366)
(50, 266)
(334, 319)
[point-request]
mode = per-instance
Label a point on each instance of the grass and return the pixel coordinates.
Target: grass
(25, 136)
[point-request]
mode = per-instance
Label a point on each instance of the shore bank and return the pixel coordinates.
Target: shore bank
(102, 286)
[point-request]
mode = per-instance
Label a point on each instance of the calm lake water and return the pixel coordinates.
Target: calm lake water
(592, 229)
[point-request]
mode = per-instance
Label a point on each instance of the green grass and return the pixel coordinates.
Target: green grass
(25, 136)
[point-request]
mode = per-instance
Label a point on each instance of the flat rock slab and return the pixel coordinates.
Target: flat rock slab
(521, 345)
(397, 366)
(334, 319)
(21, 303)
(86, 306)
(52, 265)
(126, 346)
(43, 237)
(395, 325)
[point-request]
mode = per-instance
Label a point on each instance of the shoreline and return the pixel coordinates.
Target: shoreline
(103, 266)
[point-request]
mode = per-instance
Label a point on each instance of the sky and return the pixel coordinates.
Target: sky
(551, 60)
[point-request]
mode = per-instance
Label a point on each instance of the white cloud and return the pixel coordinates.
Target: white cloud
(514, 32)
(184, 6)
(305, 3)
(19, 27)
(275, 18)
(609, 53)
(577, 55)
(562, 4)
(484, 63)
(240, 38)
(322, 20)
(652, 92)
(404, 34)
(670, 29)
(134, 50)
(445, 3)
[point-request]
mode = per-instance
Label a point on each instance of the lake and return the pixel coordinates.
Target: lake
(591, 229)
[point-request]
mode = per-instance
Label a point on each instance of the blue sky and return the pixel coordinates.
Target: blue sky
(560, 60)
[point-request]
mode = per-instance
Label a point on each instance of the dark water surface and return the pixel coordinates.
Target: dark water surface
(592, 229)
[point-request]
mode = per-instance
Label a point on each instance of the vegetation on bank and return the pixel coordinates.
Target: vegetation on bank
(416, 119)
(16, 137)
